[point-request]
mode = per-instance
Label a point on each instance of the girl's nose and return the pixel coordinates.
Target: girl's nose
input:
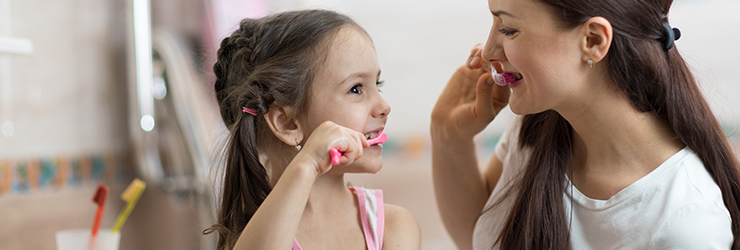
(382, 108)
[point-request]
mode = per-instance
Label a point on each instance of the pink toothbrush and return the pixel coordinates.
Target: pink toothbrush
(500, 79)
(336, 155)
(503, 79)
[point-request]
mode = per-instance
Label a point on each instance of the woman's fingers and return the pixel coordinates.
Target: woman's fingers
(484, 108)
(475, 61)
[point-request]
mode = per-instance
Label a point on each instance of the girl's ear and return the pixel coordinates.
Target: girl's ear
(597, 38)
(283, 124)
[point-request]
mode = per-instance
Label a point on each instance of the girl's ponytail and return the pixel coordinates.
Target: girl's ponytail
(245, 184)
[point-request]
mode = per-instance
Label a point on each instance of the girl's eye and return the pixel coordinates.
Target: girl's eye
(355, 89)
(507, 32)
(380, 83)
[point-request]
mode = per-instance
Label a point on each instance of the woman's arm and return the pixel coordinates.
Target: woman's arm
(466, 106)
(492, 173)
(460, 190)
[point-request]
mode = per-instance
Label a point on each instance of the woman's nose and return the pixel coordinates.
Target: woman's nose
(493, 51)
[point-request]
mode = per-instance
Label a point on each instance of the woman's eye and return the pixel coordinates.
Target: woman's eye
(379, 85)
(507, 32)
(355, 89)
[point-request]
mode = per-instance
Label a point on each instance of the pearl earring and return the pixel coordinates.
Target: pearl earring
(590, 63)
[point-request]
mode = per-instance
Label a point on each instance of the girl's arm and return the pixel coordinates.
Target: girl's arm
(466, 106)
(275, 223)
(401, 229)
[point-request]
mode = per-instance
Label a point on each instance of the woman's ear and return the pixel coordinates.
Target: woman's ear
(283, 124)
(597, 38)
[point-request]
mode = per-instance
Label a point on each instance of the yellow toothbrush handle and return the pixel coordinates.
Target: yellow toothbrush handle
(124, 215)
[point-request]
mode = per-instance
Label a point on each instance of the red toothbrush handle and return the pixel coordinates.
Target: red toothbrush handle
(98, 218)
(101, 194)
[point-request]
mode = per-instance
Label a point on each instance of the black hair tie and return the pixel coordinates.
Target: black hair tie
(670, 35)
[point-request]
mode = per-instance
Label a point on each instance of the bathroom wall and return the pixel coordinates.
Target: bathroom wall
(67, 102)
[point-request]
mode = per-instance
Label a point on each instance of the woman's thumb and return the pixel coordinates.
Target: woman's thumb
(484, 97)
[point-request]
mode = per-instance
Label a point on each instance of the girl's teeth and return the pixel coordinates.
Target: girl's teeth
(371, 135)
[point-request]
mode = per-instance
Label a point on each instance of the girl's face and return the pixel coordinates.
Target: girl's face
(526, 39)
(345, 91)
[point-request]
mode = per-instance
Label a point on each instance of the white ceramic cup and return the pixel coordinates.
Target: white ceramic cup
(79, 239)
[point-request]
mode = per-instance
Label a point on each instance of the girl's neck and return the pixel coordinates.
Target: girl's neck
(327, 193)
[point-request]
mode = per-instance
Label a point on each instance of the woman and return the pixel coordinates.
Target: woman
(617, 148)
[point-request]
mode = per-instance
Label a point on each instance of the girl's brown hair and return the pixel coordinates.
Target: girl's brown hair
(268, 60)
(656, 81)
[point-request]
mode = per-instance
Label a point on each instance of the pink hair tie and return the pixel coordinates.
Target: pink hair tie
(249, 111)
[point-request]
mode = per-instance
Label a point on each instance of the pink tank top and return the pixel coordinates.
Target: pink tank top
(371, 214)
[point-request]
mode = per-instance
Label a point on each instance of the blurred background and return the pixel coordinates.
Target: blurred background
(88, 95)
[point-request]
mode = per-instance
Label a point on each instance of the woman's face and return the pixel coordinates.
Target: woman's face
(526, 39)
(345, 91)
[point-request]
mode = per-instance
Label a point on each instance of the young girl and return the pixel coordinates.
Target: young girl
(616, 148)
(291, 87)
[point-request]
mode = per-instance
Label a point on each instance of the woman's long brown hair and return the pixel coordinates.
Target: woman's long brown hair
(268, 60)
(656, 81)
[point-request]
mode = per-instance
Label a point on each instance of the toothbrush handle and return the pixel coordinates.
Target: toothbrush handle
(96, 221)
(335, 155)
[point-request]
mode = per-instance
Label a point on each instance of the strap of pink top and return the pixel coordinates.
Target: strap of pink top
(366, 228)
(295, 245)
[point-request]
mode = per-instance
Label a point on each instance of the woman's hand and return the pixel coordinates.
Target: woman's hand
(466, 106)
(329, 135)
(469, 102)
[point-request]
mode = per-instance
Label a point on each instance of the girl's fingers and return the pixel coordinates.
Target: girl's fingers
(350, 147)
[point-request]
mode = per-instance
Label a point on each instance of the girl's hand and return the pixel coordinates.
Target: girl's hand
(329, 135)
(469, 102)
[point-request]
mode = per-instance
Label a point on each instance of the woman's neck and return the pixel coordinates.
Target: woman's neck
(614, 144)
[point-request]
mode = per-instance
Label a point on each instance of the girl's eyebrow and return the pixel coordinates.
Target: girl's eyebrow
(358, 75)
(354, 75)
(498, 13)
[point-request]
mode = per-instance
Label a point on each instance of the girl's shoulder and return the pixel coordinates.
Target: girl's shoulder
(402, 230)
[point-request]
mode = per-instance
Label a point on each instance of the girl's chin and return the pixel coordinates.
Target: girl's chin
(363, 166)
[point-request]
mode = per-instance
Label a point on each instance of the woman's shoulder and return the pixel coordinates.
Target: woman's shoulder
(699, 225)
(402, 230)
(699, 218)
